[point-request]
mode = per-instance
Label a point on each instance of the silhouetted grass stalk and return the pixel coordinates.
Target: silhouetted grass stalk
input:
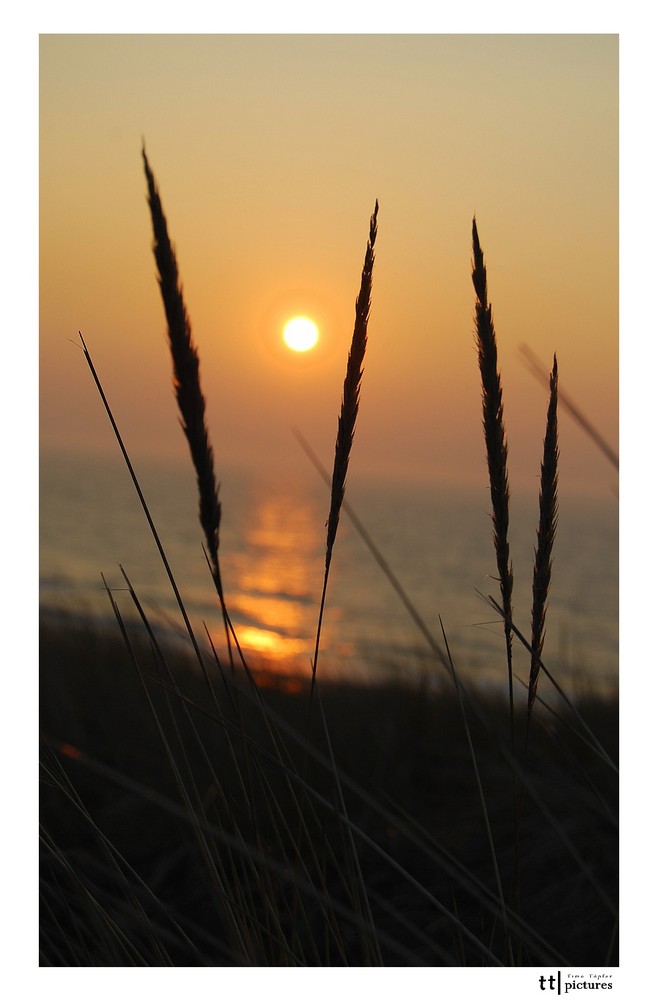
(345, 436)
(495, 438)
(348, 414)
(496, 446)
(548, 506)
(185, 360)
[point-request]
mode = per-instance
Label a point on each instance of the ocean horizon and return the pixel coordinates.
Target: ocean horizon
(435, 539)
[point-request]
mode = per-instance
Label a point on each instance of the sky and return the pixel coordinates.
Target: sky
(269, 152)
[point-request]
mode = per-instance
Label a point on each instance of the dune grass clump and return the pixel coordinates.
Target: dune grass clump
(192, 818)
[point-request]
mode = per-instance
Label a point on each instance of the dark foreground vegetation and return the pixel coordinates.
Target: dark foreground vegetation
(188, 827)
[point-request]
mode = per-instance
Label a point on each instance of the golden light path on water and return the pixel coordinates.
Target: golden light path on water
(275, 582)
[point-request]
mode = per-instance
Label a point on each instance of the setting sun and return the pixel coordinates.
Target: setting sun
(300, 333)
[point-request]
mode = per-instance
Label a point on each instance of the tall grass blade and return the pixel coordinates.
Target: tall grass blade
(548, 507)
(185, 360)
(496, 445)
(495, 436)
(351, 390)
(346, 427)
(348, 413)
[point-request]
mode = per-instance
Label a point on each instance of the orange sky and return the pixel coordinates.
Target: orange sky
(269, 152)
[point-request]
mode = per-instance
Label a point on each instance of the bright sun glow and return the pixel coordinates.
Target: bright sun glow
(300, 333)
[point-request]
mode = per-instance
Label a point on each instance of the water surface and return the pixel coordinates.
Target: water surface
(437, 541)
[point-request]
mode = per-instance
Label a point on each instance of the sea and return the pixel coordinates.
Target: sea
(412, 570)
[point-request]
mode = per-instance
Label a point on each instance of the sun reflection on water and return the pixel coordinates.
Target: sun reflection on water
(273, 581)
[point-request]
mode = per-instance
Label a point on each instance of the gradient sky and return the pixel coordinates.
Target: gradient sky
(269, 152)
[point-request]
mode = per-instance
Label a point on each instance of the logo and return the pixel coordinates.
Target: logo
(570, 982)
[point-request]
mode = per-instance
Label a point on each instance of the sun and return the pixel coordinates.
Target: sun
(300, 334)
